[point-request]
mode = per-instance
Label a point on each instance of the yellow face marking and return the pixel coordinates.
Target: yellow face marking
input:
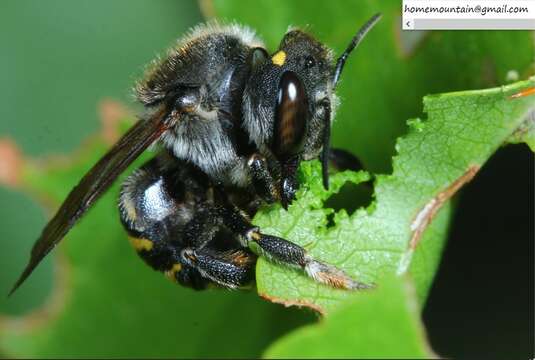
(171, 273)
(141, 244)
(279, 58)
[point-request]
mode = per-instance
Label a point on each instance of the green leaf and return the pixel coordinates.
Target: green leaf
(525, 132)
(107, 303)
(376, 324)
(410, 210)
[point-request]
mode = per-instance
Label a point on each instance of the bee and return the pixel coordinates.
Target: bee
(233, 123)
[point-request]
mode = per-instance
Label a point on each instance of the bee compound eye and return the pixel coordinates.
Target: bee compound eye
(291, 116)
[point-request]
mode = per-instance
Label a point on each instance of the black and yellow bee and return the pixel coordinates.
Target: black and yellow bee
(233, 122)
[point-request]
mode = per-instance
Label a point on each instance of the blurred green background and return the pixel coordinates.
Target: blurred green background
(60, 59)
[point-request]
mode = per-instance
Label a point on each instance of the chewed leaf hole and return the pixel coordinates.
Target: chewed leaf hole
(350, 198)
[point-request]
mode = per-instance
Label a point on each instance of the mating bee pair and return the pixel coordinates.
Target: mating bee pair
(234, 123)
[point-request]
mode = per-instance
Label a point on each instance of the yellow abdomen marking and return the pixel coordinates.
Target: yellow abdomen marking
(174, 270)
(279, 58)
(141, 244)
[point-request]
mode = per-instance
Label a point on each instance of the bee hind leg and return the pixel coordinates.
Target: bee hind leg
(288, 253)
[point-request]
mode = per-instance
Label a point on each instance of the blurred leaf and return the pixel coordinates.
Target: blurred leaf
(108, 303)
(15, 251)
(434, 160)
(378, 324)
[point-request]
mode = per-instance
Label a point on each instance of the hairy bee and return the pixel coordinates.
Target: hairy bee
(233, 122)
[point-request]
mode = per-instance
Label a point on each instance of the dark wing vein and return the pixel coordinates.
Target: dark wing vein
(94, 184)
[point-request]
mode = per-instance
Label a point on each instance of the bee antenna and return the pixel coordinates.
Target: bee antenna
(326, 145)
(353, 44)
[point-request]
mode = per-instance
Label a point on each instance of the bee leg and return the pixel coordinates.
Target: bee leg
(294, 255)
(266, 186)
(196, 265)
(288, 253)
(261, 178)
(289, 184)
(344, 160)
(231, 269)
(166, 258)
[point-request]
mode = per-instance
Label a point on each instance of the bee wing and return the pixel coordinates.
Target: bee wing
(95, 183)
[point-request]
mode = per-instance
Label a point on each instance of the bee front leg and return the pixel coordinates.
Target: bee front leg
(269, 189)
(262, 180)
(289, 184)
(286, 252)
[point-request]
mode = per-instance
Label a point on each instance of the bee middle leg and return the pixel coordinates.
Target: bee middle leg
(198, 265)
(215, 252)
(231, 269)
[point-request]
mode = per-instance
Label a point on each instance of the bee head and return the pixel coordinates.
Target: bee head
(285, 97)
(289, 100)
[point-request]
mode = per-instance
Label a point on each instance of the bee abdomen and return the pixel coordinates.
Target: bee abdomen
(152, 203)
